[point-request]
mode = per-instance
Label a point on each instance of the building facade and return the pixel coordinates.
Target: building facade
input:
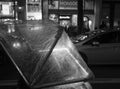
(75, 13)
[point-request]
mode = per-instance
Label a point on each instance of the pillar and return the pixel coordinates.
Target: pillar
(97, 10)
(80, 16)
(45, 9)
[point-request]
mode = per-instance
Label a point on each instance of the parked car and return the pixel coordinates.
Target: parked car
(85, 35)
(102, 48)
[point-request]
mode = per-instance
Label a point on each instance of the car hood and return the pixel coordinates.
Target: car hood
(43, 53)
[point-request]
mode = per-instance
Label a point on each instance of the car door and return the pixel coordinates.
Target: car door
(101, 48)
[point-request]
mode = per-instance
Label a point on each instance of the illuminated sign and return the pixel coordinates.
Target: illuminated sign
(6, 9)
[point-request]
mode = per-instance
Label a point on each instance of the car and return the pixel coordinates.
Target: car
(85, 35)
(102, 48)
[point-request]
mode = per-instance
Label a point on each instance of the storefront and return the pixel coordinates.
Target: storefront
(67, 13)
(64, 12)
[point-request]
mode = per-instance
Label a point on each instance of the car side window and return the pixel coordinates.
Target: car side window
(104, 38)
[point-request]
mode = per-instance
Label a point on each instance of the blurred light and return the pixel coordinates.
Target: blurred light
(107, 17)
(11, 29)
(64, 17)
(5, 9)
(90, 22)
(83, 37)
(34, 16)
(85, 18)
(16, 45)
(20, 8)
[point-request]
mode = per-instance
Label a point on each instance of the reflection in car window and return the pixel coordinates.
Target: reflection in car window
(109, 37)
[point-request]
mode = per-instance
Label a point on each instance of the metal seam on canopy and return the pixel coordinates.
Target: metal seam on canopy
(58, 35)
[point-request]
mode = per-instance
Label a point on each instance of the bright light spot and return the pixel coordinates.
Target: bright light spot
(34, 16)
(13, 30)
(59, 49)
(9, 30)
(90, 22)
(19, 8)
(85, 18)
(16, 45)
(107, 17)
(83, 37)
(5, 9)
(64, 17)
